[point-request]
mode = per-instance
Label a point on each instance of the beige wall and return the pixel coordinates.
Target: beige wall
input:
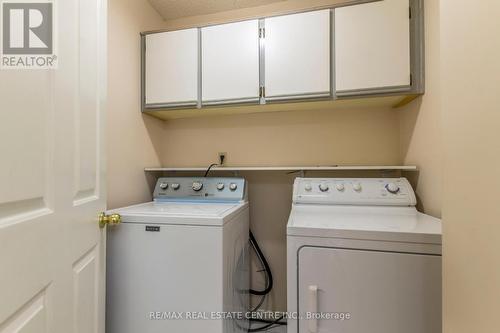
(451, 132)
(470, 92)
(326, 137)
(133, 140)
(420, 124)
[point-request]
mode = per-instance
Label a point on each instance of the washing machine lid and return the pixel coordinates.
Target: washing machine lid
(180, 213)
(380, 223)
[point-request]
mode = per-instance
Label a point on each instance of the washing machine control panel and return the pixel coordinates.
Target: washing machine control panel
(354, 191)
(200, 189)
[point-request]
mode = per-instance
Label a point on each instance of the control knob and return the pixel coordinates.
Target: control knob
(308, 187)
(175, 186)
(163, 186)
(323, 187)
(220, 186)
(356, 187)
(392, 188)
(197, 186)
(340, 187)
(233, 186)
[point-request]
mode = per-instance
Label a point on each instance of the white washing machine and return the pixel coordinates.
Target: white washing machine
(362, 259)
(177, 264)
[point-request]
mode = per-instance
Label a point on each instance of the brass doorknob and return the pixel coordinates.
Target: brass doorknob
(112, 219)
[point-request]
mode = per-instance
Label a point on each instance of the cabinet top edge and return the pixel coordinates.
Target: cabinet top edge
(259, 17)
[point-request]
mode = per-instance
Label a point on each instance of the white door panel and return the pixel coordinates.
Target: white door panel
(372, 45)
(52, 182)
(297, 54)
(34, 172)
(88, 107)
(230, 61)
(172, 67)
(384, 292)
(86, 275)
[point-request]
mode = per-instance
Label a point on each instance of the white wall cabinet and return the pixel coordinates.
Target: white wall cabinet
(230, 63)
(171, 68)
(366, 49)
(372, 46)
(297, 55)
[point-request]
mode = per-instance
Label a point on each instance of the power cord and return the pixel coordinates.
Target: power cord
(209, 168)
(221, 163)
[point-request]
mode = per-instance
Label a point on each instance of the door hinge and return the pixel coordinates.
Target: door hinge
(410, 12)
(262, 32)
(411, 79)
(262, 92)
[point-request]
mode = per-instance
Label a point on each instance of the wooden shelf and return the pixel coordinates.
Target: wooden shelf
(290, 168)
(347, 103)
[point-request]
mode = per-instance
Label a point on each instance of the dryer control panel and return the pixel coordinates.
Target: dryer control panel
(354, 191)
(200, 189)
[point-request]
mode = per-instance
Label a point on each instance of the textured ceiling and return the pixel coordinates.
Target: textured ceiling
(172, 9)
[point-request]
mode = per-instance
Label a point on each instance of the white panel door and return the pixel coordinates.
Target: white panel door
(297, 54)
(372, 45)
(52, 182)
(383, 292)
(172, 67)
(230, 62)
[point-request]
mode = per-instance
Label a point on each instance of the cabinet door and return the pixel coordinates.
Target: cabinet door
(230, 63)
(297, 55)
(171, 68)
(384, 292)
(372, 45)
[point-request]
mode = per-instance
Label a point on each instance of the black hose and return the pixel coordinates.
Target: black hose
(265, 321)
(275, 322)
(263, 293)
(269, 286)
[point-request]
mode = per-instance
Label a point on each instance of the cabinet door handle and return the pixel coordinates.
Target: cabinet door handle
(313, 308)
